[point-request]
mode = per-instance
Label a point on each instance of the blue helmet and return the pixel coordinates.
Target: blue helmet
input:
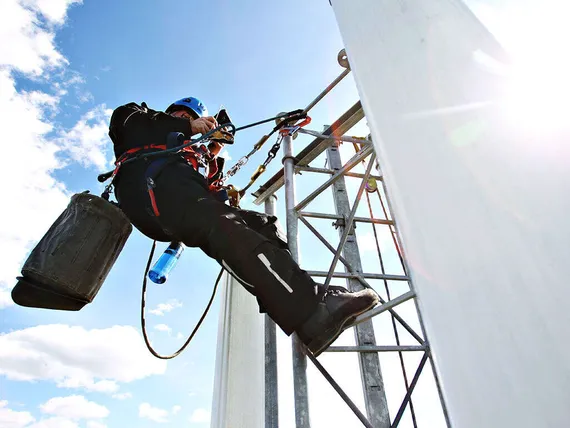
(189, 103)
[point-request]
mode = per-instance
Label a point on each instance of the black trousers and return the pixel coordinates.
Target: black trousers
(248, 244)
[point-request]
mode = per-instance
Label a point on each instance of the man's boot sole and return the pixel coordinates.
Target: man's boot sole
(317, 346)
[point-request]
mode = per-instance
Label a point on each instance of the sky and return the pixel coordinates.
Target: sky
(64, 66)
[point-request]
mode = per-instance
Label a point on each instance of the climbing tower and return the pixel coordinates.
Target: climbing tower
(332, 194)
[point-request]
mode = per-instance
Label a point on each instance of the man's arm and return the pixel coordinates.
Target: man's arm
(130, 120)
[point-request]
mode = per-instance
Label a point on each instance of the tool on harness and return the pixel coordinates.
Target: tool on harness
(69, 264)
(234, 196)
(164, 265)
(224, 135)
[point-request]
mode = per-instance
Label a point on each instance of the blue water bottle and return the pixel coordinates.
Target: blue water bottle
(159, 273)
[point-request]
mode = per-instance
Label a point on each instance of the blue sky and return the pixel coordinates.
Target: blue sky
(66, 64)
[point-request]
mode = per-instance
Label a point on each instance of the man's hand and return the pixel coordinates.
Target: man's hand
(203, 124)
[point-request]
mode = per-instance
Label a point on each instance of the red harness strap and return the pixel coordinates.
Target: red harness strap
(190, 154)
(150, 186)
(126, 154)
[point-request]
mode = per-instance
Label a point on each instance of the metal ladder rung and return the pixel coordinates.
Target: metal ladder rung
(384, 307)
(370, 348)
(320, 273)
(332, 172)
(338, 217)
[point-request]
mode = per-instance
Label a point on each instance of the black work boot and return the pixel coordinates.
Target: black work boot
(337, 310)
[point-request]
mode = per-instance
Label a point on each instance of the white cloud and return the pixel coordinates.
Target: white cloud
(87, 141)
(32, 188)
(74, 79)
(367, 241)
(56, 422)
(13, 419)
(76, 357)
(25, 126)
(54, 11)
(155, 414)
(5, 299)
(22, 419)
(122, 395)
(163, 327)
(74, 407)
(162, 308)
(107, 386)
(96, 424)
(176, 409)
(179, 335)
(200, 416)
(84, 97)
(31, 49)
(225, 154)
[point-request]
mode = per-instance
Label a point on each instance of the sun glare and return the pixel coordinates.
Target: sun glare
(538, 95)
(535, 35)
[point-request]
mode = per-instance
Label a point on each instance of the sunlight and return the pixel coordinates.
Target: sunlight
(538, 93)
(535, 34)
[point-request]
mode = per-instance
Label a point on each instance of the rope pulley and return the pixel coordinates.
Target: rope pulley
(342, 59)
(371, 185)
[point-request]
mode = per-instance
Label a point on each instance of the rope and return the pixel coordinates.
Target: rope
(143, 304)
(261, 122)
(288, 119)
(387, 288)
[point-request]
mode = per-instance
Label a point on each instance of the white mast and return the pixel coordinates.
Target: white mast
(239, 392)
(482, 209)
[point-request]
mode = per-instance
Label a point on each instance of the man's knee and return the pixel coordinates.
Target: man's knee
(266, 225)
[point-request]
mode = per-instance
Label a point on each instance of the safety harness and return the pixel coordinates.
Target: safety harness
(198, 156)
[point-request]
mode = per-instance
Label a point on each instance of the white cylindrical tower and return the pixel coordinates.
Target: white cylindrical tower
(482, 207)
(239, 391)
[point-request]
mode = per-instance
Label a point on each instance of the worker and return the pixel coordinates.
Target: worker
(170, 199)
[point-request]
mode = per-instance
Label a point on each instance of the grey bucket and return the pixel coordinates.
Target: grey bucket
(68, 266)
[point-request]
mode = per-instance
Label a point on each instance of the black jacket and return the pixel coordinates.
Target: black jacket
(134, 125)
